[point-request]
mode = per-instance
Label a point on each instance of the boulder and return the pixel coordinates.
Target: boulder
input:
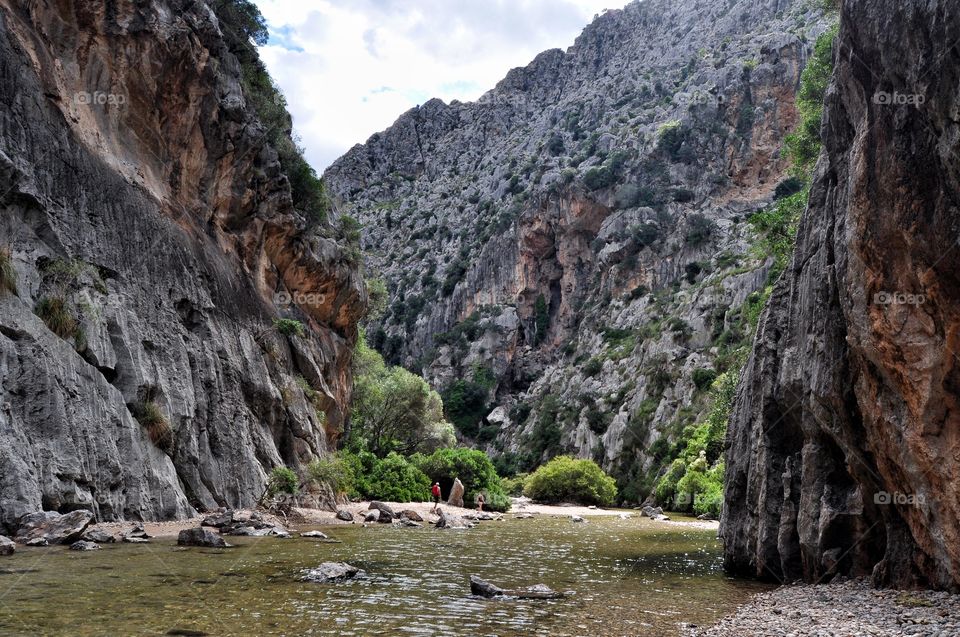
(135, 540)
(53, 527)
(317, 534)
(450, 521)
(412, 515)
(7, 547)
(200, 537)
(84, 546)
(576, 518)
(385, 517)
(98, 536)
(38, 541)
(344, 515)
(523, 516)
(137, 532)
(456, 494)
(332, 572)
(383, 508)
(372, 516)
(483, 588)
(218, 520)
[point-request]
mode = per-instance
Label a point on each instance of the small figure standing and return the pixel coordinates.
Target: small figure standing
(480, 502)
(435, 490)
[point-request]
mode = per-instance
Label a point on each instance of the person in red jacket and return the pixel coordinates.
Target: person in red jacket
(435, 490)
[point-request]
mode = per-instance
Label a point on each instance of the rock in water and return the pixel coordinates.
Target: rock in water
(84, 546)
(53, 527)
(332, 572)
(315, 534)
(383, 508)
(7, 546)
(483, 588)
(450, 521)
(576, 518)
(344, 515)
(200, 537)
(372, 516)
(37, 541)
(456, 494)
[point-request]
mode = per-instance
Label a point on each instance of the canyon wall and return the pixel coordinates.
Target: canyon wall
(147, 220)
(844, 445)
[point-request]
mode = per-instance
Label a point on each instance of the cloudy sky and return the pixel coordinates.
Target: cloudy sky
(349, 68)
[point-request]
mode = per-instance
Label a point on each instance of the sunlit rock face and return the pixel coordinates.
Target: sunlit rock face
(136, 186)
(845, 442)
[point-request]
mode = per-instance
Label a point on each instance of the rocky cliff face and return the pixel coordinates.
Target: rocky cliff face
(566, 253)
(845, 440)
(147, 221)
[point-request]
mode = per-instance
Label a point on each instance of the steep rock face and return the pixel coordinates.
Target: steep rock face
(590, 208)
(845, 439)
(137, 191)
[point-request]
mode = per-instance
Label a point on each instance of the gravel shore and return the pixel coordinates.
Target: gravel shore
(850, 607)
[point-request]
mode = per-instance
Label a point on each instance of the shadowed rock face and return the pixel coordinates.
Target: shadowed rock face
(136, 185)
(851, 391)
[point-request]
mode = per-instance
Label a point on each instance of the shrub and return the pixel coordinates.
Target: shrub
(150, 417)
(282, 481)
(699, 229)
(8, 276)
(703, 377)
(541, 321)
(56, 313)
(289, 327)
(465, 403)
(395, 479)
(333, 471)
(787, 187)
(514, 486)
(565, 479)
(474, 469)
(597, 178)
(593, 367)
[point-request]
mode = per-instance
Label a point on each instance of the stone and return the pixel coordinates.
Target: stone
(523, 516)
(576, 518)
(483, 588)
(7, 546)
(84, 546)
(218, 520)
(456, 494)
(200, 537)
(410, 514)
(409, 523)
(315, 534)
(332, 572)
(98, 536)
(344, 515)
(137, 532)
(54, 527)
(450, 521)
(372, 516)
(37, 541)
(135, 540)
(383, 508)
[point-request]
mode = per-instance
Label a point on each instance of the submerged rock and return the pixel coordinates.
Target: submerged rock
(200, 537)
(37, 541)
(135, 540)
(317, 534)
(136, 533)
(54, 527)
(84, 546)
(332, 572)
(7, 546)
(483, 588)
(576, 518)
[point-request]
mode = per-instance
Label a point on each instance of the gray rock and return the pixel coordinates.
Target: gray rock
(450, 521)
(218, 520)
(98, 536)
(200, 537)
(84, 546)
(37, 541)
(135, 540)
(344, 515)
(53, 527)
(383, 508)
(7, 546)
(332, 572)
(410, 514)
(315, 534)
(456, 494)
(576, 518)
(410, 523)
(482, 588)
(372, 516)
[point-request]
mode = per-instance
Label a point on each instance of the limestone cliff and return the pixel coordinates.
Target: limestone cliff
(568, 257)
(845, 440)
(149, 224)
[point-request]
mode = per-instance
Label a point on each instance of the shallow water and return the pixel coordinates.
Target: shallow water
(627, 577)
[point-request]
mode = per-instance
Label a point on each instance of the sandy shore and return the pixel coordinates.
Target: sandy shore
(850, 607)
(316, 517)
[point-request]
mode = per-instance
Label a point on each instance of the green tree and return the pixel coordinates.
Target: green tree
(565, 479)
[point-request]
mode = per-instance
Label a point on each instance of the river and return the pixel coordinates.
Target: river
(626, 577)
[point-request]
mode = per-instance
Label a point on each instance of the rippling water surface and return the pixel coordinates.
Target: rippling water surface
(626, 577)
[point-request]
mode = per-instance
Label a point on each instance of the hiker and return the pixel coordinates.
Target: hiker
(435, 490)
(480, 502)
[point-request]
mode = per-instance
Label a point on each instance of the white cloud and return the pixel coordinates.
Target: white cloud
(349, 68)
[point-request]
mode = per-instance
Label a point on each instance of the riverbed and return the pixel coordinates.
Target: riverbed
(625, 576)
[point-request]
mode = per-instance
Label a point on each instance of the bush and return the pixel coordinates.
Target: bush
(289, 327)
(150, 417)
(56, 313)
(514, 486)
(282, 481)
(593, 367)
(565, 479)
(699, 230)
(597, 178)
(8, 276)
(395, 479)
(333, 471)
(703, 377)
(465, 403)
(474, 469)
